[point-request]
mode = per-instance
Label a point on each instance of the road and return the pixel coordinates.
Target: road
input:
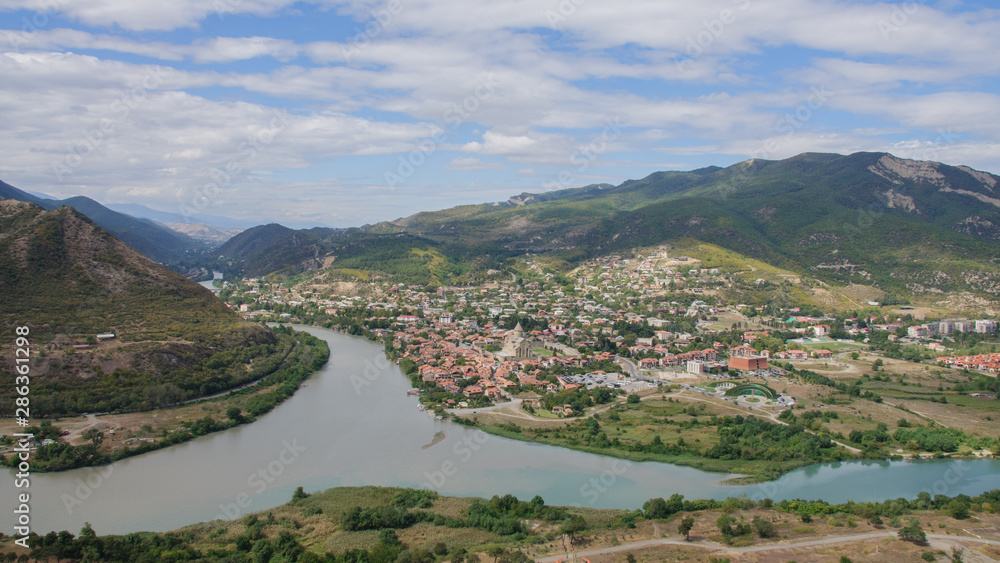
(513, 407)
(934, 540)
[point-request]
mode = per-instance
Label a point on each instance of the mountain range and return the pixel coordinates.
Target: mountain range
(165, 237)
(155, 241)
(867, 218)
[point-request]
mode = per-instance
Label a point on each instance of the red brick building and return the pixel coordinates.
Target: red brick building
(748, 363)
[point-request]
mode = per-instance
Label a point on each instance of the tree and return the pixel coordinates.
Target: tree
(725, 526)
(388, 538)
(235, 414)
(958, 509)
(656, 508)
(299, 494)
(94, 435)
(685, 527)
(573, 526)
(763, 526)
(913, 533)
(496, 552)
(633, 399)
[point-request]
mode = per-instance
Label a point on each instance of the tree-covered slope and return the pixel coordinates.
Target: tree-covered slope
(867, 218)
(68, 280)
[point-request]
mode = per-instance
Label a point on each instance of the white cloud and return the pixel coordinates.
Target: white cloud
(620, 87)
(474, 164)
(145, 15)
(227, 49)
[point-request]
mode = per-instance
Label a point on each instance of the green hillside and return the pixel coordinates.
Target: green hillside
(868, 218)
(69, 281)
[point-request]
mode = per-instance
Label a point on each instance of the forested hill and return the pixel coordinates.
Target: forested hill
(69, 281)
(867, 218)
(156, 241)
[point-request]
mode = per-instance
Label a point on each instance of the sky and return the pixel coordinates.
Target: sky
(345, 113)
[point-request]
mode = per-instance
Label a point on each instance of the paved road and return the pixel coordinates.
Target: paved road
(933, 538)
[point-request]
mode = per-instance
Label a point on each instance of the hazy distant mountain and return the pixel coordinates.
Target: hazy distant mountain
(8, 191)
(213, 221)
(211, 236)
(155, 241)
(70, 280)
(866, 218)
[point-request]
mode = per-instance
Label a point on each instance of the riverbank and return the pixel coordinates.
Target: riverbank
(382, 524)
(354, 424)
(93, 440)
(675, 428)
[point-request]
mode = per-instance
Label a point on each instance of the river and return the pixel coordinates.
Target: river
(353, 424)
(210, 284)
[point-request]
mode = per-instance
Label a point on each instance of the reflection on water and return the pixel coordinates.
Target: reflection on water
(353, 424)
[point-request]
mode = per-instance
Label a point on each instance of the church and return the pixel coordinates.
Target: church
(516, 346)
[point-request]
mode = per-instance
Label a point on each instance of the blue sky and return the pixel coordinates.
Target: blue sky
(344, 113)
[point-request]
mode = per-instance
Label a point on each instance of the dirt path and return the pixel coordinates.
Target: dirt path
(510, 410)
(769, 415)
(920, 414)
(935, 539)
(92, 422)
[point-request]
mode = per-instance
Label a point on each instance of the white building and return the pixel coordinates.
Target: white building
(986, 326)
(696, 367)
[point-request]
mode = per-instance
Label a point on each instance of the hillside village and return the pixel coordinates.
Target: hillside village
(618, 323)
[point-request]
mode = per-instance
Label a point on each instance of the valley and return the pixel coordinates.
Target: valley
(562, 355)
(732, 352)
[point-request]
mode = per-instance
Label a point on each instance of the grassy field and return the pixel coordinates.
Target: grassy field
(908, 391)
(314, 526)
(714, 256)
(681, 421)
(831, 345)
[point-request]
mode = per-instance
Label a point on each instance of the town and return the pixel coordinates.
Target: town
(619, 325)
